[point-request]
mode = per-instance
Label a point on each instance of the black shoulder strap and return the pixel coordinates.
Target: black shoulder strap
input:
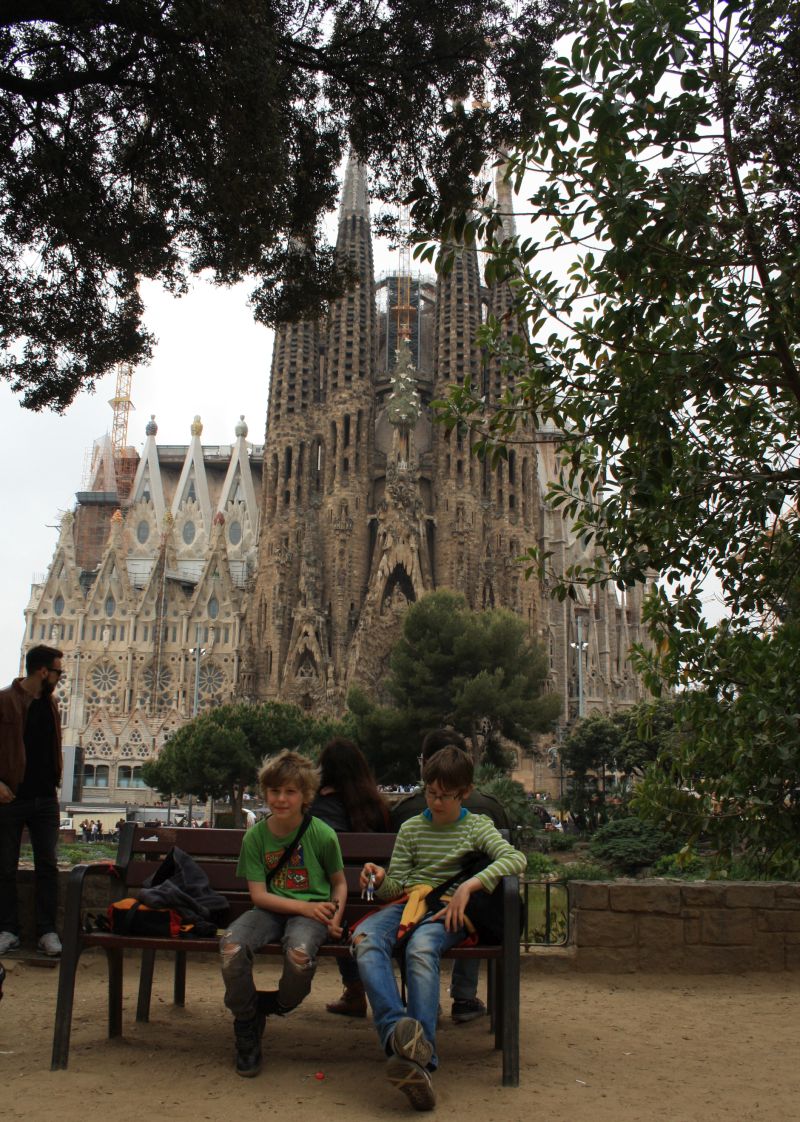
(287, 853)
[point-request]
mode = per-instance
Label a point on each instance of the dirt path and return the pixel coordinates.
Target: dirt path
(595, 1048)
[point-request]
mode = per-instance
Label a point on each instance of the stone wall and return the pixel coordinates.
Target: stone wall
(702, 927)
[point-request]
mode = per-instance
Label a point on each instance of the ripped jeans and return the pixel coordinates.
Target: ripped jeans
(373, 944)
(301, 938)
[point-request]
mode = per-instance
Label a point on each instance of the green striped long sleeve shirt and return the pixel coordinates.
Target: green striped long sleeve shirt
(429, 854)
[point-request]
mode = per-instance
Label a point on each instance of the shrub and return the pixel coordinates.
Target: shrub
(628, 844)
(583, 870)
(680, 864)
(539, 865)
(510, 794)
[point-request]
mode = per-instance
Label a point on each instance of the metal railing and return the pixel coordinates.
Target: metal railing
(551, 926)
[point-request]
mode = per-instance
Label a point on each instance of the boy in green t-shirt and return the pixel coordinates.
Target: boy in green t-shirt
(302, 906)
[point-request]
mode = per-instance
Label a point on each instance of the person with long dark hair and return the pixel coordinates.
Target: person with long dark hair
(349, 801)
(348, 797)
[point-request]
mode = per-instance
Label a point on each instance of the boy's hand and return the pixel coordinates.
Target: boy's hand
(322, 911)
(373, 870)
(335, 930)
(453, 914)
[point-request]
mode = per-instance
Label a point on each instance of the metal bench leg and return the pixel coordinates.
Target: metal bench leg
(114, 959)
(499, 1005)
(509, 1016)
(64, 1002)
(145, 985)
(491, 992)
(179, 986)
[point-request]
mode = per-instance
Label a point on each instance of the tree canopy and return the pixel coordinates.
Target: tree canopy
(165, 138)
(663, 169)
(477, 672)
(599, 747)
(218, 754)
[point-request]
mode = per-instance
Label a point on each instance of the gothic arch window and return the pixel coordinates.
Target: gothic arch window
(98, 745)
(58, 605)
(273, 484)
(110, 606)
(142, 531)
(210, 684)
(103, 687)
(213, 607)
(235, 532)
(156, 682)
(95, 775)
(128, 776)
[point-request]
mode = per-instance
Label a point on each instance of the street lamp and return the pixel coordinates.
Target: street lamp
(198, 653)
(580, 646)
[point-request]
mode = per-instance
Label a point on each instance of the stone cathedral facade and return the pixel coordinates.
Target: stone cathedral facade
(283, 571)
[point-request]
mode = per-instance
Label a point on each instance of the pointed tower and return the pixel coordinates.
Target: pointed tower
(462, 489)
(294, 467)
(348, 398)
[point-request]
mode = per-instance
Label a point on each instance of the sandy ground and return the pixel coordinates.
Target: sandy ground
(595, 1048)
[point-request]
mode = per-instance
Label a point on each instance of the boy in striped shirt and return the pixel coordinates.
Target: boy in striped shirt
(430, 850)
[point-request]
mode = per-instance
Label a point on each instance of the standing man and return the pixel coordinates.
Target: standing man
(30, 772)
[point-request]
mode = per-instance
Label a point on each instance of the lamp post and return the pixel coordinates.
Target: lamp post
(198, 654)
(580, 646)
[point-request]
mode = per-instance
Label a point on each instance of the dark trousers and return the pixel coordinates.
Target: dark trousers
(42, 817)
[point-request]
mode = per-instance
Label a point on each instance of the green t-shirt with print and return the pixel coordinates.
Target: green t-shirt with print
(307, 874)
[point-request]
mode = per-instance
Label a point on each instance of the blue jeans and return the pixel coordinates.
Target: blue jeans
(301, 939)
(373, 945)
(42, 817)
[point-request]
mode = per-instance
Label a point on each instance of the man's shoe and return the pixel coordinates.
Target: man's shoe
(248, 1047)
(413, 1080)
(467, 1009)
(50, 944)
(8, 941)
(408, 1042)
(352, 1003)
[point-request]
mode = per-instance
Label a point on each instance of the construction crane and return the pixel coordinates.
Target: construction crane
(404, 310)
(125, 459)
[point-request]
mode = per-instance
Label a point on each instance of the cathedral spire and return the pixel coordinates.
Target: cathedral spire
(355, 198)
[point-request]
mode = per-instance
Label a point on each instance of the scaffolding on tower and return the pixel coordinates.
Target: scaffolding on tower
(404, 310)
(125, 458)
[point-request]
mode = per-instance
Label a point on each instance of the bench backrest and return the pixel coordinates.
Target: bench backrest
(141, 850)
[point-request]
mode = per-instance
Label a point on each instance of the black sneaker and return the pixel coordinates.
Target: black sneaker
(248, 1047)
(467, 1009)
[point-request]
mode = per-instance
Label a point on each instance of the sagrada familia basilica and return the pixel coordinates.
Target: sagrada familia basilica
(191, 575)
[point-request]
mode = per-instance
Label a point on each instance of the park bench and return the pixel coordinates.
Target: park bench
(141, 850)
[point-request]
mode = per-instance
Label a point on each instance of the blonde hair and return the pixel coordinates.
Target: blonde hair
(290, 767)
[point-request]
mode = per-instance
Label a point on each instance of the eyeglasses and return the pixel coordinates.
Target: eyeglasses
(52, 670)
(441, 796)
